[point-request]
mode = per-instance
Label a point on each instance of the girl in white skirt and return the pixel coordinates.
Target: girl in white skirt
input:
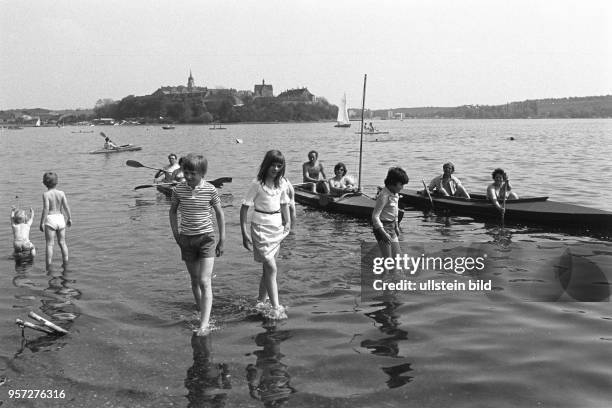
(268, 194)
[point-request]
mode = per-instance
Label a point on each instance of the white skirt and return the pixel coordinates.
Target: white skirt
(266, 240)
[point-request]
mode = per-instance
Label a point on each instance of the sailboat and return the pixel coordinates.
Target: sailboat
(356, 204)
(343, 117)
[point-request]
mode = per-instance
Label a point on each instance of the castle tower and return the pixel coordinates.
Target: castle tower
(190, 81)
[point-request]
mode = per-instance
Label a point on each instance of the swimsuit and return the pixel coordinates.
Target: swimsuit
(55, 221)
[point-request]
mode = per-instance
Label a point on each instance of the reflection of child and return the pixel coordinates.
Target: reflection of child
(21, 232)
(52, 221)
(268, 194)
(196, 199)
(384, 216)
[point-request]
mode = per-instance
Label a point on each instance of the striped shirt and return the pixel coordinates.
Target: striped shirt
(195, 206)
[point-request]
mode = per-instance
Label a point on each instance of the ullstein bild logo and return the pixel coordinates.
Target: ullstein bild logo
(522, 273)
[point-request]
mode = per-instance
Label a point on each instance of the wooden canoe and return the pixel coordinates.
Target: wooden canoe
(533, 210)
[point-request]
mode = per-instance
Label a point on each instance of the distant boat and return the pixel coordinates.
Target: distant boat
(217, 126)
(168, 127)
(343, 117)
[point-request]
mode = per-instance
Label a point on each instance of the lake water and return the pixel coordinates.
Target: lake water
(127, 302)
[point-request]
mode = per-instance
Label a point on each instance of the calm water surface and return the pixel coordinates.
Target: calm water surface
(127, 302)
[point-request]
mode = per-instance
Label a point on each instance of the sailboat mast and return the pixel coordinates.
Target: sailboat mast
(365, 78)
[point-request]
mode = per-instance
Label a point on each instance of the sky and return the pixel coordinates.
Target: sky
(68, 54)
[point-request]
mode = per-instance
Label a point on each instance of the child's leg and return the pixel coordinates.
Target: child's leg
(263, 292)
(61, 240)
(269, 279)
(49, 235)
(200, 272)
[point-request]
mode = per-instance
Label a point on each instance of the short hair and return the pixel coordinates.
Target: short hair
(195, 162)
(19, 217)
(315, 152)
(172, 155)
(449, 164)
(396, 175)
(271, 157)
(340, 166)
(499, 171)
(50, 179)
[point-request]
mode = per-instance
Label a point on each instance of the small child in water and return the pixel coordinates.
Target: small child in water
(52, 221)
(21, 224)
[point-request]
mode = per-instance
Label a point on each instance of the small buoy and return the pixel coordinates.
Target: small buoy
(511, 137)
(238, 140)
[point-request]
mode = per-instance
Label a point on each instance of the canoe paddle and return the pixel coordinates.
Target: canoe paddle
(428, 195)
(218, 183)
(134, 163)
(505, 186)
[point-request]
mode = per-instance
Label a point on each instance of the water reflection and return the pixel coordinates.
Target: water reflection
(204, 378)
(388, 346)
(22, 266)
(60, 295)
(268, 378)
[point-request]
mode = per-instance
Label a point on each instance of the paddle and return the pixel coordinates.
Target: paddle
(428, 195)
(218, 183)
(134, 163)
(505, 185)
(106, 137)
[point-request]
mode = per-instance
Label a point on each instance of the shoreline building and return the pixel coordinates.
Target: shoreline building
(263, 90)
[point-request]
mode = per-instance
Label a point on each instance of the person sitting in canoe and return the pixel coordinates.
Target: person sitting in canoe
(109, 145)
(313, 173)
(177, 175)
(167, 170)
(341, 183)
(499, 188)
(447, 184)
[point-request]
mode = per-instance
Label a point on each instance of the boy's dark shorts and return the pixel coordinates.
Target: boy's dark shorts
(196, 247)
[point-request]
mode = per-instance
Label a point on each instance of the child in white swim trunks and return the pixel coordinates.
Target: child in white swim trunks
(21, 232)
(52, 221)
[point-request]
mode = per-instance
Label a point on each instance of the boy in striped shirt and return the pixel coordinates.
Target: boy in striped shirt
(196, 199)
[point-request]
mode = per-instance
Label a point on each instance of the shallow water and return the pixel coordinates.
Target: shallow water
(127, 302)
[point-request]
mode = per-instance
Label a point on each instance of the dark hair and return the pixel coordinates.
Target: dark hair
(396, 175)
(449, 164)
(340, 166)
(271, 157)
(315, 152)
(50, 179)
(172, 155)
(195, 162)
(499, 171)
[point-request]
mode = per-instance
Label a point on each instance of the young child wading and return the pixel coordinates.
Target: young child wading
(268, 194)
(21, 232)
(52, 221)
(196, 199)
(384, 216)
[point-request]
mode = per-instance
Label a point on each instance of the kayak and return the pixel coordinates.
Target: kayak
(531, 210)
(124, 148)
(353, 204)
(165, 189)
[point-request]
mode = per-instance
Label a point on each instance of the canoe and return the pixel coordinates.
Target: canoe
(167, 127)
(532, 210)
(353, 204)
(124, 148)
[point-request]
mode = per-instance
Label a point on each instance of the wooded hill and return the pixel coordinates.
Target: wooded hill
(573, 107)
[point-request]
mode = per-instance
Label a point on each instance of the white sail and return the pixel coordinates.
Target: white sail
(343, 117)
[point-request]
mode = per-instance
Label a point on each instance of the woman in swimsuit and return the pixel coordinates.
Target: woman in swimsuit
(499, 188)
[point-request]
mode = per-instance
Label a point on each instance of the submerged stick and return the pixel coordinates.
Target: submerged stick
(47, 323)
(33, 326)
